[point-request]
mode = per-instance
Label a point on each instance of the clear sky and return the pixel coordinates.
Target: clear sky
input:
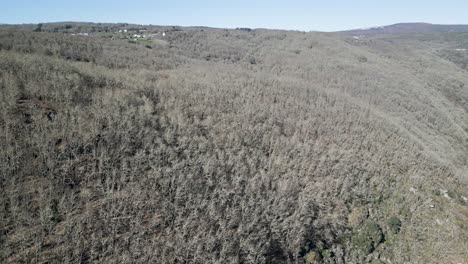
(325, 15)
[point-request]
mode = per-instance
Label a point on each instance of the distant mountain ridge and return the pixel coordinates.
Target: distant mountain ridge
(408, 28)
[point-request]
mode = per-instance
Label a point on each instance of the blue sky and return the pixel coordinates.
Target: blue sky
(326, 15)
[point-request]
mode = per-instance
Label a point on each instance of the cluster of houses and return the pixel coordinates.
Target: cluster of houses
(157, 35)
(139, 35)
(80, 34)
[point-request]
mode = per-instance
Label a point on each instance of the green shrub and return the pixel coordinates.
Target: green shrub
(368, 238)
(361, 242)
(394, 224)
(38, 28)
(375, 233)
(312, 257)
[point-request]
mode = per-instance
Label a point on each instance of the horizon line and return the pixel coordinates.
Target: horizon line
(217, 27)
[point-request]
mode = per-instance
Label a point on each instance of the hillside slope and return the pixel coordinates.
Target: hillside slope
(231, 146)
(410, 28)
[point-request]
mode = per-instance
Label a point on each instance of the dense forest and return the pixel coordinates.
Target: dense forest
(145, 144)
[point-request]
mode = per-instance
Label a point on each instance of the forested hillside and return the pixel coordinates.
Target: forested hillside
(144, 144)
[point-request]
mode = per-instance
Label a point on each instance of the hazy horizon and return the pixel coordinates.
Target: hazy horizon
(204, 26)
(295, 15)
